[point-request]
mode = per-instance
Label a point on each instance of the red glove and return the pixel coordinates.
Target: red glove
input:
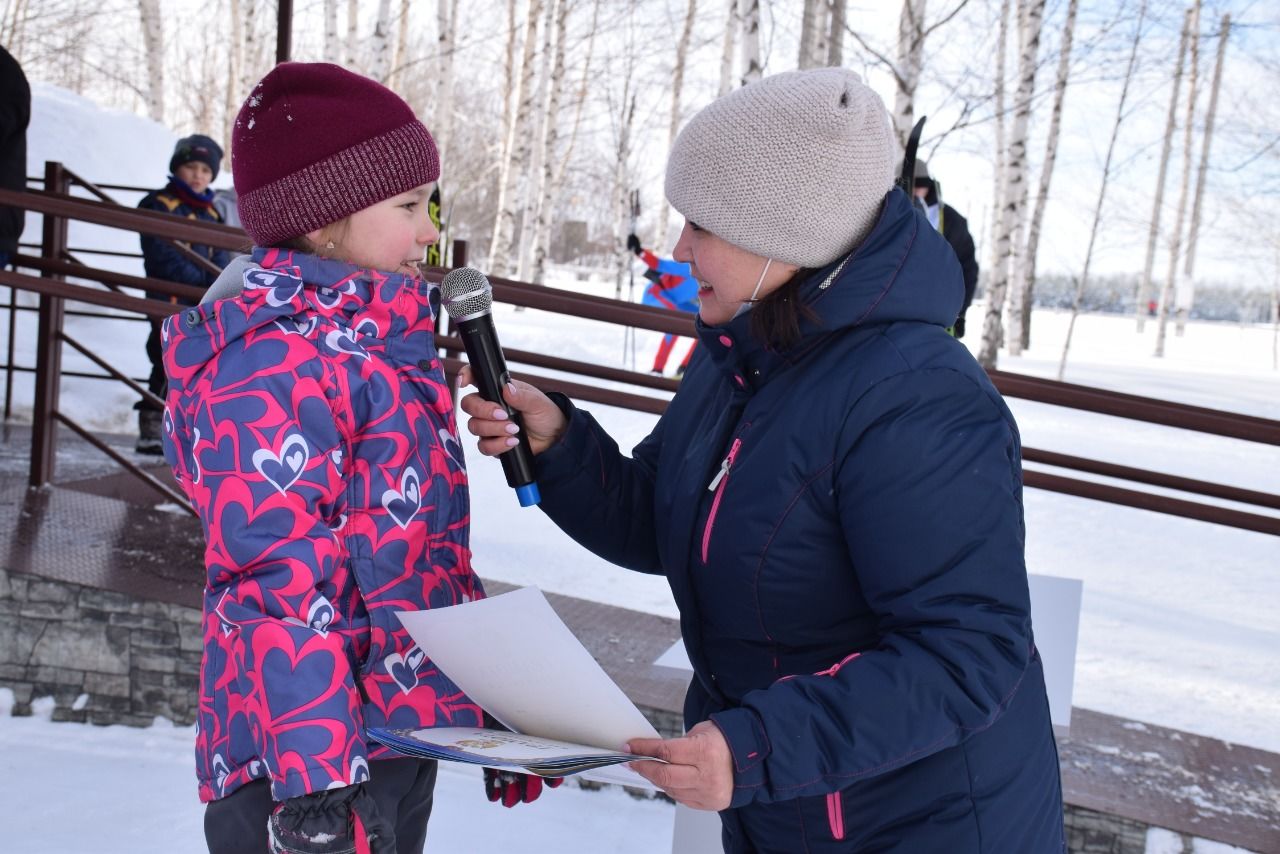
(513, 788)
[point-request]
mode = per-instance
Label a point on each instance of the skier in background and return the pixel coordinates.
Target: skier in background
(670, 286)
(955, 228)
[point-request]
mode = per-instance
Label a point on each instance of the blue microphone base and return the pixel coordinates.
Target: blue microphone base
(528, 494)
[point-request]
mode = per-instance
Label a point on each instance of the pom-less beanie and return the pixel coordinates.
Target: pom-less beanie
(196, 147)
(793, 167)
(314, 143)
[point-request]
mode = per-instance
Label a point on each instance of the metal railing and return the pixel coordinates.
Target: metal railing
(650, 394)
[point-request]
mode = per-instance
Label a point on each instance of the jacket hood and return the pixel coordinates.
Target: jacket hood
(297, 292)
(903, 271)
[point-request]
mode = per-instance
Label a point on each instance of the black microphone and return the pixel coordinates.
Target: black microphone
(468, 298)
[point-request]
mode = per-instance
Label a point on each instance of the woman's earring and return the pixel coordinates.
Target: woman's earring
(329, 245)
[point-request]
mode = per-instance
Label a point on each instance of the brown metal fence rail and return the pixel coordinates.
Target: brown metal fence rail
(649, 394)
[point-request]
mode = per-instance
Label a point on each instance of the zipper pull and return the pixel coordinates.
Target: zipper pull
(724, 470)
(724, 466)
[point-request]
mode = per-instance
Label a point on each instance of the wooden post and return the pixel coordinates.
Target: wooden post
(44, 423)
(284, 30)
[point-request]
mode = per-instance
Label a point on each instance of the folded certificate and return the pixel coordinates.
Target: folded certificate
(513, 656)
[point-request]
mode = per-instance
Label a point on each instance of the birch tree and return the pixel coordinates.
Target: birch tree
(353, 34)
(235, 58)
(1026, 276)
(446, 16)
(1186, 296)
(677, 88)
(380, 44)
(505, 248)
(153, 45)
(751, 66)
(728, 47)
(910, 62)
(998, 160)
(539, 224)
(402, 44)
(332, 47)
(1175, 242)
(835, 42)
(1083, 282)
(1143, 295)
(1030, 16)
(907, 65)
(812, 17)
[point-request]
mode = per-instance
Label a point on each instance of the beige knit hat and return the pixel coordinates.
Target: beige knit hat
(793, 167)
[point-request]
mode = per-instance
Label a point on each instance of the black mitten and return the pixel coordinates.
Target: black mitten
(329, 822)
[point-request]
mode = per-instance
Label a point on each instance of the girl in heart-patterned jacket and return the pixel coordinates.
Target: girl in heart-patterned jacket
(311, 426)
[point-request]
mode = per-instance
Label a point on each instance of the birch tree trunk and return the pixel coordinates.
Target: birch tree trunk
(380, 66)
(751, 66)
(506, 250)
(547, 185)
(809, 23)
(907, 67)
(1186, 297)
(153, 44)
(1175, 243)
(677, 88)
(1027, 278)
(332, 47)
(353, 35)
(581, 97)
(997, 182)
(402, 46)
(835, 43)
(1143, 295)
(446, 16)
(728, 47)
(252, 48)
(235, 94)
(1102, 191)
(621, 194)
(1030, 16)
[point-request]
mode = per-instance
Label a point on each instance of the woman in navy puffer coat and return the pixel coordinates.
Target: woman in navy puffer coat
(835, 497)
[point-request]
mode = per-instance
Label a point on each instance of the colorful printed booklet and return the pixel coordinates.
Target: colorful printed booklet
(494, 748)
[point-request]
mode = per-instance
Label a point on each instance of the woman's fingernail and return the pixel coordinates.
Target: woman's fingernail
(511, 387)
(512, 441)
(513, 428)
(499, 415)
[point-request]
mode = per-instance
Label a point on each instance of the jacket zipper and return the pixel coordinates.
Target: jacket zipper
(835, 815)
(717, 485)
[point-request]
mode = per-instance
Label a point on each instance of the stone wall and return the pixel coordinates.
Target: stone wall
(104, 657)
(1091, 832)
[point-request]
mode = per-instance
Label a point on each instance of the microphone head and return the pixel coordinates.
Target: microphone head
(466, 293)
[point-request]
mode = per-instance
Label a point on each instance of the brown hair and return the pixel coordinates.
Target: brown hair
(775, 320)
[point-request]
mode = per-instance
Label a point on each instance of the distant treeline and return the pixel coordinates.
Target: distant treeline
(1115, 295)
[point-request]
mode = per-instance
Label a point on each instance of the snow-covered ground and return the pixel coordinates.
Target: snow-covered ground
(1179, 624)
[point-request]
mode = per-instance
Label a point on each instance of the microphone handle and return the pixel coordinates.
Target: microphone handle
(489, 370)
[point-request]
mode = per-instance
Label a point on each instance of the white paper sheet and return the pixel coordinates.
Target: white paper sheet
(515, 657)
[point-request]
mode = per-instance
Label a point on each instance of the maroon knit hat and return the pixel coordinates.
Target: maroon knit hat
(315, 143)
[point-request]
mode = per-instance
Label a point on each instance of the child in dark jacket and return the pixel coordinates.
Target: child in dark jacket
(310, 424)
(193, 167)
(835, 497)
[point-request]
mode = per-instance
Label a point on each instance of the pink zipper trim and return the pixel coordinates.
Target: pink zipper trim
(723, 478)
(835, 815)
